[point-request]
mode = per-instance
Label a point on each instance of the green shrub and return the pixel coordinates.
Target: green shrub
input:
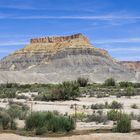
(39, 97)
(40, 131)
(110, 82)
(125, 84)
(97, 106)
(101, 95)
(82, 81)
(4, 119)
(115, 105)
(68, 123)
(84, 106)
(79, 116)
(22, 106)
(16, 110)
(133, 116)
(106, 105)
(66, 91)
(124, 124)
(138, 118)
(97, 117)
(118, 95)
(13, 125)
(134, 106)
(130, 91)
(60, 123)
(22, 115)
(113, 115)
(69, 90)
(71, 106)
(129, 84)
(50, 120)
(35, 120)
(22, 97)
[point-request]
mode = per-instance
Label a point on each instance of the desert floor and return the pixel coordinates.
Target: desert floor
(107, 136)
(65, 107)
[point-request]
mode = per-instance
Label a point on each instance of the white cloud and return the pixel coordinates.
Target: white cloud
(119, 40)
(6, 50)
(129, 58)
(101, 17)
(118, 49)
(12, 43)
(16, 4)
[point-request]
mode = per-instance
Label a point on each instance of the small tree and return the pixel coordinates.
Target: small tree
(130, 92)
(69, 90)
(82, 81)
(110, 82)
(113, 115)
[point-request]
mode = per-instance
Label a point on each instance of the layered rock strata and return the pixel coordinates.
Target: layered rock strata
(56, 59)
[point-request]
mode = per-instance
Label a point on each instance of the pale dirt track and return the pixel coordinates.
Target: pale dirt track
(107, 136)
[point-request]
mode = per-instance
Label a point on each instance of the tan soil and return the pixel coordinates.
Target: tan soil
(107, 136)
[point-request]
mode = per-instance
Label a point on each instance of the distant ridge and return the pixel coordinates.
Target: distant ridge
(134, 65)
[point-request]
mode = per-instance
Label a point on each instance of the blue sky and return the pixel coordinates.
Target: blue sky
(110, 24)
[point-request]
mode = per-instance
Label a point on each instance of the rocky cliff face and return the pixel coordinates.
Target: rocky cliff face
(42, 50)
(56, 59)
(58, 39)
(134, 65)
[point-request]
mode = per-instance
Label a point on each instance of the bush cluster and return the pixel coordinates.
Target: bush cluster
(126, 84)
(64, 91)
(113, 105)
(123, 121)
(14, 111)
(60, 91)
(97, 106)
(49, 121)
(98, 117)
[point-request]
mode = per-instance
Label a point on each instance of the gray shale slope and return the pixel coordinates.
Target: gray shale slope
(57, 59)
